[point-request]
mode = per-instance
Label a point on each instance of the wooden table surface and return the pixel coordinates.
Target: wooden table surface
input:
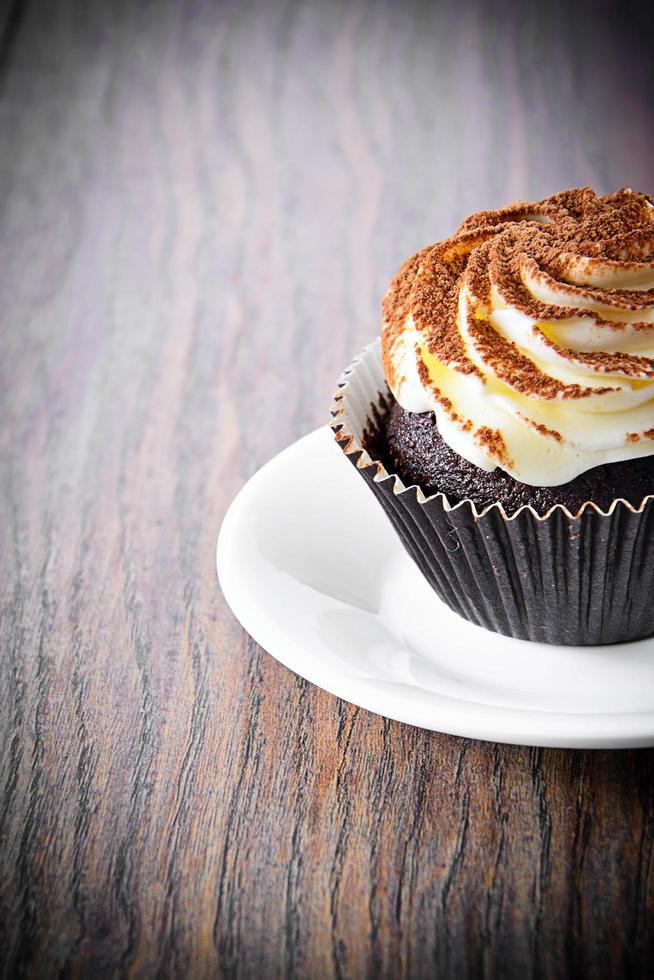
(201, 206)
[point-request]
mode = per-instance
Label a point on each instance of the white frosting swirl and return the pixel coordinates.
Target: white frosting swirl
(530, 334)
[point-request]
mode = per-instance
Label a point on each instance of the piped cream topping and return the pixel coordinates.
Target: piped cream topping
(530, 335)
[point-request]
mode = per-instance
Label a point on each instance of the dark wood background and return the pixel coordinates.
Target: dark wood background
(201, 204)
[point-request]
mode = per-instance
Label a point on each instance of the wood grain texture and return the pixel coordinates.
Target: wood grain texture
(201, 205)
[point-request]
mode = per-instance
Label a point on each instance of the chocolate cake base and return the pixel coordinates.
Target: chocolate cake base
(411, 446)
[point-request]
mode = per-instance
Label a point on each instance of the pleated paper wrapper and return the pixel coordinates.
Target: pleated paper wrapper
(584, 578)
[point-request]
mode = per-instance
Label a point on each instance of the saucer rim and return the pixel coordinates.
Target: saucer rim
(509, 724)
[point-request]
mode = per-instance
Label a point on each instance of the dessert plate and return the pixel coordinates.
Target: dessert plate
(312, 569)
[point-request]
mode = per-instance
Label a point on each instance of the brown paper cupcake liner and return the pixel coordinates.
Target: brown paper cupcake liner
(583, 578)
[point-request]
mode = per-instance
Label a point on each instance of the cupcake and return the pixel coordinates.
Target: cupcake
(505, 421)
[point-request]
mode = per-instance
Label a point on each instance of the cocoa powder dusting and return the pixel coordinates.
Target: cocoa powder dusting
(543, 430)
(438, 396)
(493, 443)
(395, 309)
(434, 303)
(505, 251)
(515, 369)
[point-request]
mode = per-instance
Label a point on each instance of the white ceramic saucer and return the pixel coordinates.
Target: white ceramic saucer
(312, 569)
